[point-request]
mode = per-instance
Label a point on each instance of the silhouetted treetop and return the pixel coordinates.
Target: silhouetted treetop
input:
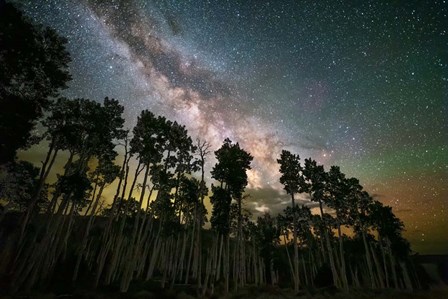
(33, 68)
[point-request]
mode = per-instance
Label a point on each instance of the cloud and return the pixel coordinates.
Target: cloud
(272, 200)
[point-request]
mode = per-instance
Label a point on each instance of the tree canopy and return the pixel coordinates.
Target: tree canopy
(33, 69)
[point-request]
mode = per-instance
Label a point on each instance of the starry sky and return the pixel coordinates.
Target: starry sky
(359, 84)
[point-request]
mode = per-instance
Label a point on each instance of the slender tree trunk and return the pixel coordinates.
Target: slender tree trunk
(392, 264)
(334, 272)
(192, 247)
(406, 278)
(108, 240)
(220, 270)
(305, 274)
(291, 267)
(203, 148)
(368, 259)
(127, 276)
(216, 262)
(86, 233)
(354, 275)
(42, 177)
(296, 248)
(243, 258)
(378, 268)
(208, 267)
(155, 253)
(108, 237)
(342, 259)
(254, 263)
(227, 263)
(383, 255)
(93, 196)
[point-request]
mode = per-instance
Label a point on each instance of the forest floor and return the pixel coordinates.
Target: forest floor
(246, 293)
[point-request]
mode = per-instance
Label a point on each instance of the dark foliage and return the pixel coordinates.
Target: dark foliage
(33, 68)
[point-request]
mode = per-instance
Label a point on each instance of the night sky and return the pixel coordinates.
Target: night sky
(359, 84)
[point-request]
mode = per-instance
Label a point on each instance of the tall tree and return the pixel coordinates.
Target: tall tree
(292, 180)
(103, 175)
(314, 182)
(202, 152)
(337, 188)
(394, 248)
(230, 171)
(220, 222)
(267, 236)
(148, 144)
(360, 201)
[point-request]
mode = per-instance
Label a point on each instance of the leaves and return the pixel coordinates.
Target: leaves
(33, 68)
(233, 162)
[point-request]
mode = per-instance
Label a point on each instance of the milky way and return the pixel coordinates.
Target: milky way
(363, 86)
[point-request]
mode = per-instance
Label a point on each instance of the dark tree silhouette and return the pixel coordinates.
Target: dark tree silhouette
(267, 238)
(17, 185)
(87, 132)
(292, 180)
(314, 183)
(33, 68)
(203, 149)
(230, 171)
